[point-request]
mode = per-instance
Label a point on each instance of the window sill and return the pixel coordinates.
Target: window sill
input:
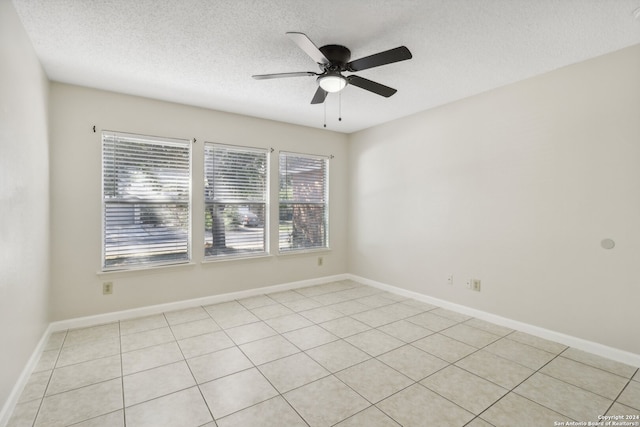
(145, 269)
(303, 252)
(235, 258)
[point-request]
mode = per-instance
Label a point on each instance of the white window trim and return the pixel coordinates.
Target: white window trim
(327, 247)
(266, 253)
(152, 265)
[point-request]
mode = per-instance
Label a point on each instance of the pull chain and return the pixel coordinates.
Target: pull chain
(339, 109)
(325, 112)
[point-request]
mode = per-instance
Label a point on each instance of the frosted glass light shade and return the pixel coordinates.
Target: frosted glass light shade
(332, 82)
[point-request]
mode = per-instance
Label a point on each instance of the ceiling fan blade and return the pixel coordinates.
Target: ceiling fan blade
(320, 96)
(387, 57)
(371, 86)
(307, 45)
(280, 75)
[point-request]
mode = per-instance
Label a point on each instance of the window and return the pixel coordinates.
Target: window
(235, 194)
(303, 202)
(146, 197)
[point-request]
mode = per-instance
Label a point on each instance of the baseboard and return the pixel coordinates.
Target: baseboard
(571, 341)
(18, 388)
(99, 319)
(578, 343)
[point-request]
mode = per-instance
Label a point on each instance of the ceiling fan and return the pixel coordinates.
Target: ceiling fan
(333, 60)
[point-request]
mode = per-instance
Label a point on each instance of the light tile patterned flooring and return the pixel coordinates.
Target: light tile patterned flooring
(336, 354)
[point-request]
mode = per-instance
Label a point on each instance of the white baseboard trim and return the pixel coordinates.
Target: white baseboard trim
(99, 319)
(10, 404)
(571, 341)
(578, 343)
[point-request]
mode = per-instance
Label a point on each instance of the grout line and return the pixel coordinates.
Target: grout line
(471, 373)
(525, 397)
(262, 374)
(334, 374)
(477, 417)
(331, 374)
(593, 366)
(620, 394)
(184, 359)
(124, 411)
(359, 412)
(44, 394)
(343, 339)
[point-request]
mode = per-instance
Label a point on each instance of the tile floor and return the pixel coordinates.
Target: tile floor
(339, 354)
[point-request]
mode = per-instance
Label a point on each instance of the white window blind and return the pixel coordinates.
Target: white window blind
(303, 202)
(146, 200)
(236, 182)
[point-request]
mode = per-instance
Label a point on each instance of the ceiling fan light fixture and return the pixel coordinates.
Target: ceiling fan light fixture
(332, 82)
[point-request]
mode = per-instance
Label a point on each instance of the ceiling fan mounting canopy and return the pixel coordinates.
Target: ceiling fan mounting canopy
(333, 60)
(337, 55)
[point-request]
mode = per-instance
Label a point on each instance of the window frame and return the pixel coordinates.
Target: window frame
(265, 202)
(326, 205)
(188, 200)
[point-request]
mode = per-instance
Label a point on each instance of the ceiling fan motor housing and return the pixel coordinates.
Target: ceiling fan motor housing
(337, 55)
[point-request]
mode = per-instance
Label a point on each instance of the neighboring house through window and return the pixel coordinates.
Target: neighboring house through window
(304, 203)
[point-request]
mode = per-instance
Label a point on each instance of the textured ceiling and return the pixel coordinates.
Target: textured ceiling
(203, 52)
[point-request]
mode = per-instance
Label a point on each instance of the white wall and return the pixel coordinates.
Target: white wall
(516, 187)
(24, 199)
(76, 203)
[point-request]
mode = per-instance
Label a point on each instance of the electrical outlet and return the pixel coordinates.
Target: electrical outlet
(107, 288)
(450, 280)
(320, 261)
(473, 284)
